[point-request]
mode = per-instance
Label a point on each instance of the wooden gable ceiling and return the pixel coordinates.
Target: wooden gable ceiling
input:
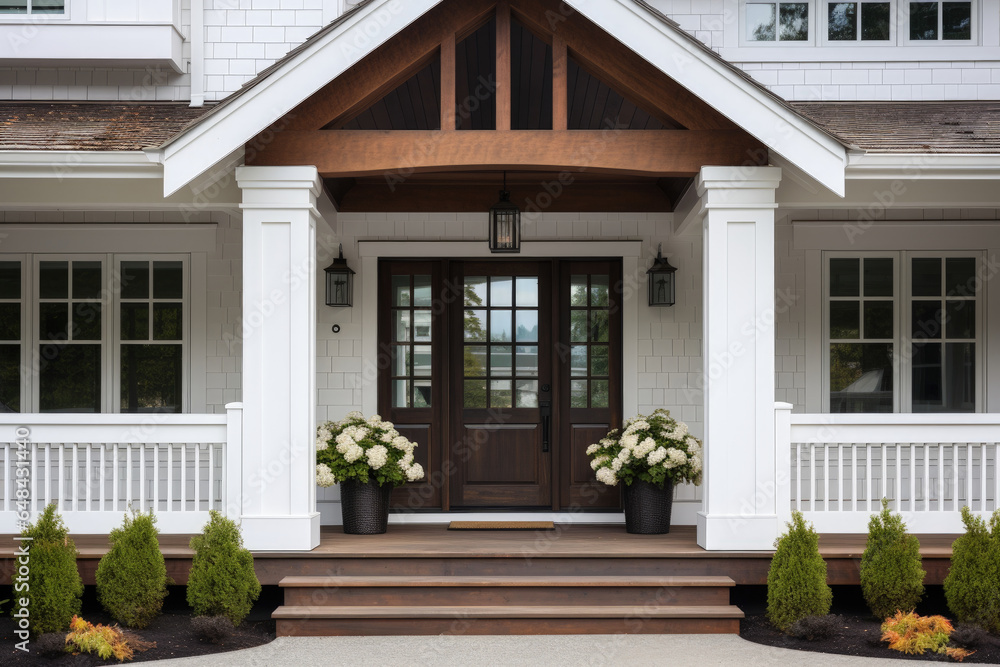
(475, 88)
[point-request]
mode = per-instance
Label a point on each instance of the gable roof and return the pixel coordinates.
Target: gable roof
(331, 51)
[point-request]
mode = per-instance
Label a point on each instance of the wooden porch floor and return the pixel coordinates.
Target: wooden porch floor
(428, 549)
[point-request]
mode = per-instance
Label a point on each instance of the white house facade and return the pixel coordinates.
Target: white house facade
(176, 176)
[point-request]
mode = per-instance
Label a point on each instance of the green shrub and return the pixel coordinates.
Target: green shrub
(972, 587)
(891, 578)
(796, 581)
(53, 586)
(132, 576)
(222, 581)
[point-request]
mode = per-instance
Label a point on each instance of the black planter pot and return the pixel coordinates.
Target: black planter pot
(647, 507)
(365, 506)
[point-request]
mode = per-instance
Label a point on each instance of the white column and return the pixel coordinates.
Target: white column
(737, 211)
(279, 357)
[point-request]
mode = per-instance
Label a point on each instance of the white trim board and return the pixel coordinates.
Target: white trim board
(422, 249)
(104, 238)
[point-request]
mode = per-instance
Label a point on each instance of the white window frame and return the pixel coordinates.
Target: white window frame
(902, 315)
(903, 31)
(777, 43)
(824, 22)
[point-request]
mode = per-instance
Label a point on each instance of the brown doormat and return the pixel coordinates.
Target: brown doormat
(501, 525)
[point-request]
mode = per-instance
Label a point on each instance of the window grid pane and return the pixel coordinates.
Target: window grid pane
(413, 332)
(10, 336)
(590, 321)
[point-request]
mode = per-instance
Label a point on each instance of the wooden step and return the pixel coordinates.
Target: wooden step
(461, 591)
(510, 619)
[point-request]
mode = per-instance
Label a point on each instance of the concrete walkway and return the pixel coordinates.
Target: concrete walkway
(547, 651)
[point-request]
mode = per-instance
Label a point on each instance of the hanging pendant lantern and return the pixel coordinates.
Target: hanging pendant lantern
(505, 223)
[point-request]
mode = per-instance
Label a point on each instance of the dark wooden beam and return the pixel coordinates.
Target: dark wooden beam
(448, 81)
(354, 153)
(387, 67)
(604, 57)
(560, 84)
(503, 94)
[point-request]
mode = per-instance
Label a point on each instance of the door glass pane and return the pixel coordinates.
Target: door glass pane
(54, 321)
(844, 320)
(878, 276)
(599, 326)
(527, 292)
(527, 326)
(135, 280)
(926, 372)
(960, 377)
(10, 321)
(926, 276)
(501, 361)
(87, 321)
(475, 393)
(845, 277)
(875, 21)
(923, 20)
(878, 319)
(421, 393)
(422, 360)
(960, 276)
(400, 393)
(167, 324)
(86, 280)
(926, 319)
(527, 393)
(151, 378)
(956, 18)
(422, 291)
(168, 280)
(475, 291)
(861, 377)
(578, 393)
(500, 394)
(578, 291)
(53, 280)
(401, 326)
(527, 360)
(578, 326)
(842, 21)
(599, 360)
(598, 393)
(401, 360)
(10, 378)
(475, 325)
(69, 378)
(135, 321)
(422, 326)
(10, 280)
(578, 360)
(961, 319)
(501, 291)
(501, 326)
(599, 291)
(475, 360)
(401, 291)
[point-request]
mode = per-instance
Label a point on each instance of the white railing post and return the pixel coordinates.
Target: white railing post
(232, 495)
(783, 461)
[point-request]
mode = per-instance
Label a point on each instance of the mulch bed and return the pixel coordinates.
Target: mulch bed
(171, 631)
(859, 632)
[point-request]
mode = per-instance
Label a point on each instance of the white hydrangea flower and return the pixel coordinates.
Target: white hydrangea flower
(616, 465)
(324, 476)
(415, 472)
(656, 456)
(353, 414)
(599, 461)
(675, 458)
(636, 426)
(352, 453)
(377, 456)
(692, 443)
(696, 463)
(644, 448)
(406, 461)
(607, 476)
(321, 445)
(401, 443)
(629, 440)
(374, 420)
(592, 449)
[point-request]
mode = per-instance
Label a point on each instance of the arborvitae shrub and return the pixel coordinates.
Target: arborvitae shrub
(132, 576)
(222, 581)
(891, 578)
(972, 587)
(796, 581)
(54, 586)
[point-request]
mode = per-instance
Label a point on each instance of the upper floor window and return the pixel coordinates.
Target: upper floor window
(32, 6)
(934, 21)
(854, 21)
(777, 21)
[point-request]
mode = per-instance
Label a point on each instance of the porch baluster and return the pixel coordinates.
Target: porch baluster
(184, 477)
(61, 498)
(170, 477)
(982, 477)
(197, 477)
(156, 478)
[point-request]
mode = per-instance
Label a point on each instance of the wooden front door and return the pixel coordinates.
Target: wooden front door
(503, 372)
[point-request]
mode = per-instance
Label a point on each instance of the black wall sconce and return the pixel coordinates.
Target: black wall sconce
(505, 223)
(339, 283)
(661, 281)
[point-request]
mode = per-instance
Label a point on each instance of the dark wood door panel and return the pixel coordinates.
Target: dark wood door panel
(509, 453)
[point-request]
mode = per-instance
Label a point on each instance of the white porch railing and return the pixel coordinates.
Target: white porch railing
(839, 467)
(96, 466)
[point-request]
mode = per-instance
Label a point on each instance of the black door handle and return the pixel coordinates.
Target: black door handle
(546, 412)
